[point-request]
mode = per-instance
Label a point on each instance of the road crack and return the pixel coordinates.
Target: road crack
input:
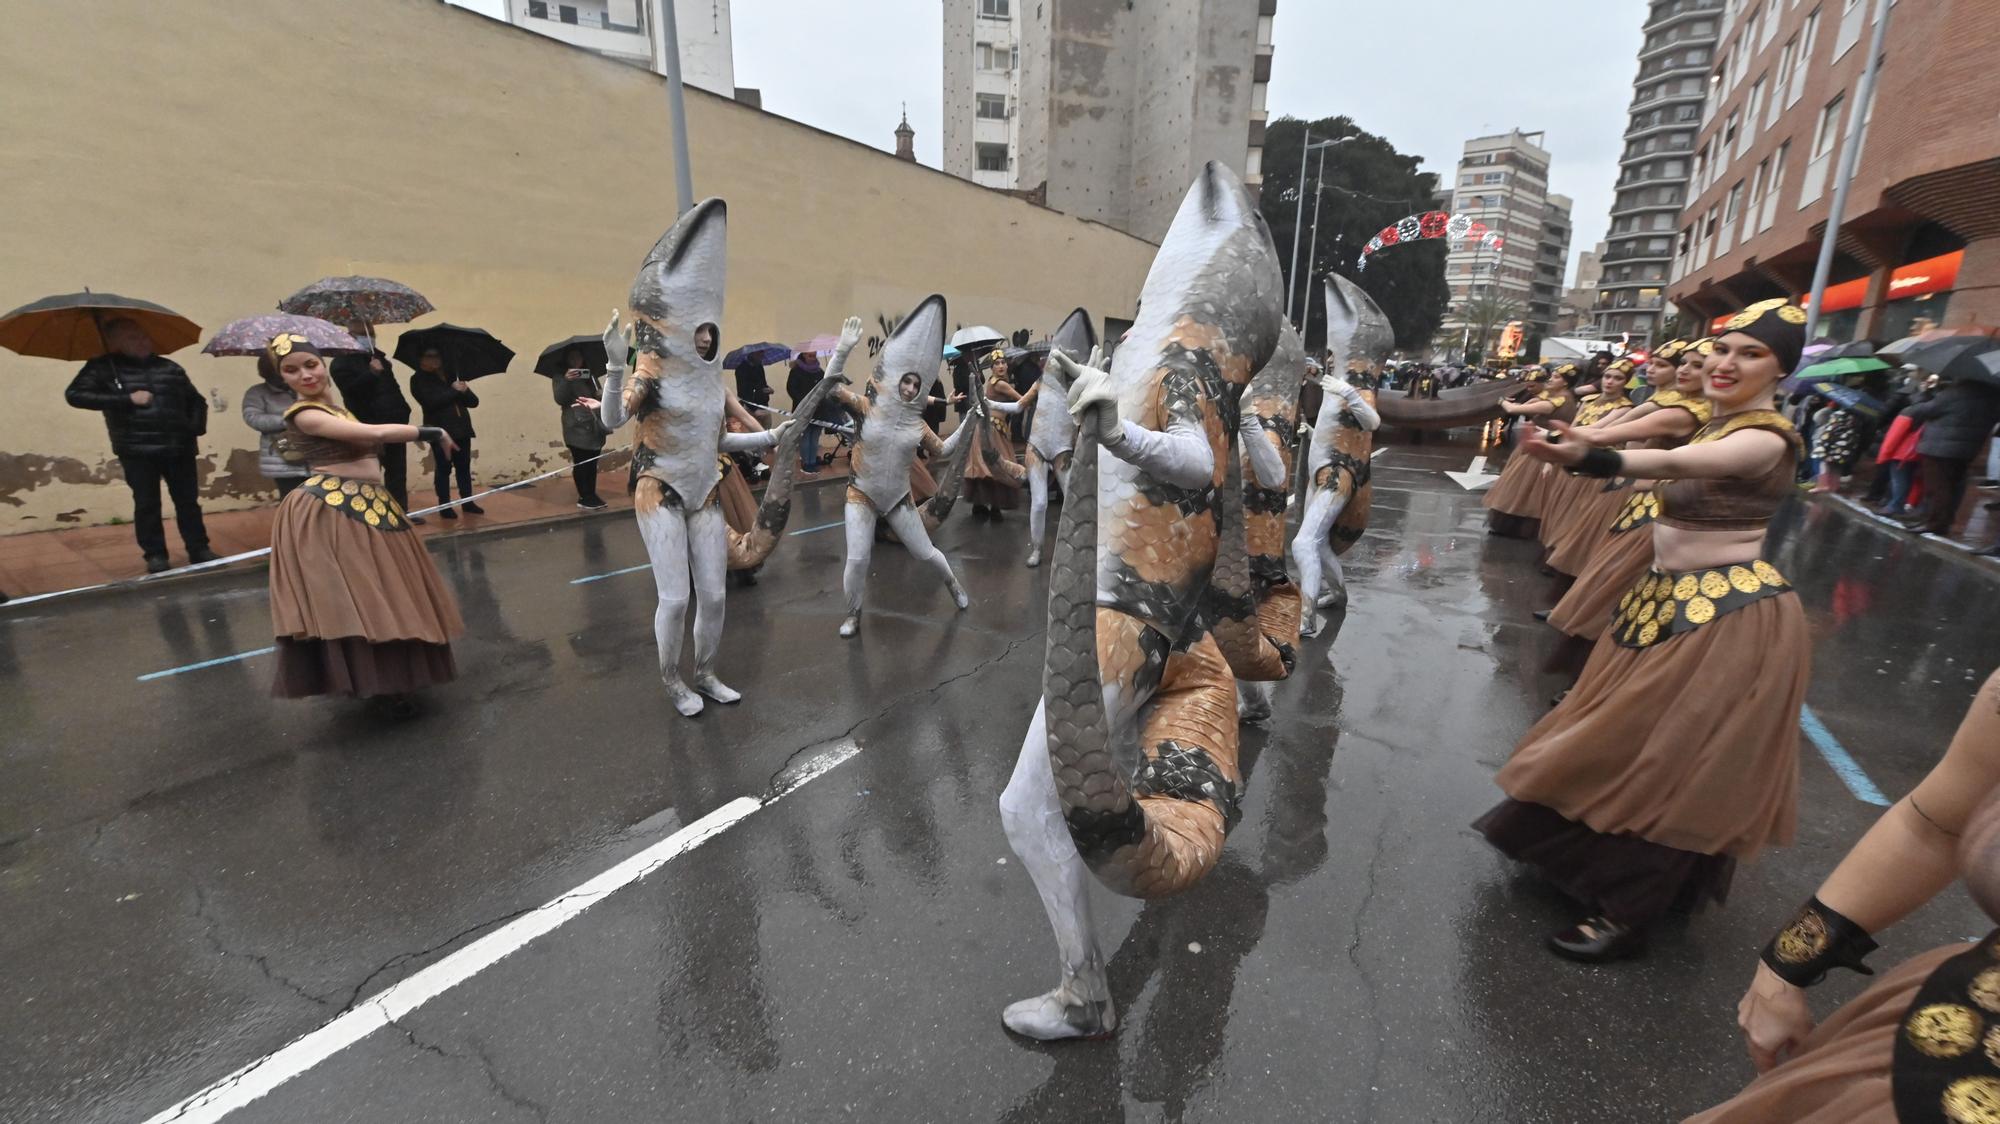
(487, 1068)
(263, 963)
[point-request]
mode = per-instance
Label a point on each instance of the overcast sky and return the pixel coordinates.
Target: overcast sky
(1427, 74)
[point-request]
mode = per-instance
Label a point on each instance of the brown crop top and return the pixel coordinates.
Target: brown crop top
(324, 450)
(1733, 503)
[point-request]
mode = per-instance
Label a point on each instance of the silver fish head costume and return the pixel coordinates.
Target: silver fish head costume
(1208, 319)
(1356, 328)
(894, 427)
(677, 393)
(1054, 431)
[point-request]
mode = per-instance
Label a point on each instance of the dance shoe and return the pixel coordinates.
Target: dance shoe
(1542, 614)
(959, 598)
(1252, 705)
(850, 626)
(1034, 558)
(1058, 1015)
(1309, 626)
(1594, 940)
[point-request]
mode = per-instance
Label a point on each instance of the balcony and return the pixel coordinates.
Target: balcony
(1681, 9)
(1629, 299)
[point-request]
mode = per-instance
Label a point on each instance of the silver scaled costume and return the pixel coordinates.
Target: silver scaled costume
(1337, 458)
(1128, 770)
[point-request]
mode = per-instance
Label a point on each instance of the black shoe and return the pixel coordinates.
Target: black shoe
(592, 504)
(447, 513)
(1542, 614)
(1990, 552)
(158, 564)
(1594, 940)
(201, 554)
(418, 520)
(472, 508)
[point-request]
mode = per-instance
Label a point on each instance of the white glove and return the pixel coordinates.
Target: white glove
(1334, 384)
(617, 345)
(1092, 398)
(611, 405)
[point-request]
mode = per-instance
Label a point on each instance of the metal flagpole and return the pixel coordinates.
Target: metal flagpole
(676, 100)
(1850, 155)
(1298, 221)
(1312, 252)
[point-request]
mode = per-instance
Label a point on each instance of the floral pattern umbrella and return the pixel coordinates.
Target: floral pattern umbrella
(250, 335)
(369, 300)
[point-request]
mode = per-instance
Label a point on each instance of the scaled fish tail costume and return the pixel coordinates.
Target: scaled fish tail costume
(1129, 770)
(1268, 439)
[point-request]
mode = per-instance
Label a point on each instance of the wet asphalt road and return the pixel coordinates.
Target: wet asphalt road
(193, 876)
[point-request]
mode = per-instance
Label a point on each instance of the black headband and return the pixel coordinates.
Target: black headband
(285, 343)
(1777, 324)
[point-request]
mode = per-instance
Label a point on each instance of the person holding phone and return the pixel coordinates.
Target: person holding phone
(578, 395)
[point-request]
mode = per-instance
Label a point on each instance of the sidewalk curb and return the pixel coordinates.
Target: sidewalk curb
(1853, 509)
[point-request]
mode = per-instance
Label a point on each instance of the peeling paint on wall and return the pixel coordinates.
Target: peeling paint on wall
(21, 473)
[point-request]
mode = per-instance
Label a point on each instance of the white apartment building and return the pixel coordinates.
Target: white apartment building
(982, 91)
(1503, 181)
(634, 31)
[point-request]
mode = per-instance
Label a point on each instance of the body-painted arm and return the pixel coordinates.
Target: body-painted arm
(749, 442)
(1178, 455)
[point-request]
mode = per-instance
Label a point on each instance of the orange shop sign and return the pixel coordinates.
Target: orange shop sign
(1919, 278)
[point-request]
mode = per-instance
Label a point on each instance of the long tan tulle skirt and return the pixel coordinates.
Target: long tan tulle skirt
(1518, 492)
(1692, 743)
(1586, 529)
(1585, 611)
(993, 478)
(1841, 1075)
(739, 503)
(356, 610)
(1560, 500)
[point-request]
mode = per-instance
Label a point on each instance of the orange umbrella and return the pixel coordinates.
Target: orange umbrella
(71, 325)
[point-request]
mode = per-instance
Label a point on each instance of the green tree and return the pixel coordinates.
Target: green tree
(1366, 186)
(1487, 314)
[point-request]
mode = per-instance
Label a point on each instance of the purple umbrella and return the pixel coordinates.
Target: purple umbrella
(250, 335)
(345, 300)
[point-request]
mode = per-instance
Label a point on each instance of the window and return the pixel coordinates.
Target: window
(566, 12)
(1729, 132)
(539, 9)
(1787, 58)
(983, 54)
(1493, 177)
(1750, 112)
(1770, 215)
(992, 157)
(1014, 57)
(993, 9)
(992, 106)
(1807, 38)
(1829, 126)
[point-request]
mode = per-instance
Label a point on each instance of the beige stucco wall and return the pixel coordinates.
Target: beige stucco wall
(214, 157)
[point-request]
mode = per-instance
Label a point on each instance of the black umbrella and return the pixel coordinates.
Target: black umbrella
(71, 326)
(469, 353)
(1953, 357)
(1989, 369)
(554, 361)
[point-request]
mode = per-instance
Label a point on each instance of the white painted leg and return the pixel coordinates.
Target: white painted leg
(909, 527)
(1080, 1004)
(860, 547)
(1038, 506)
(664, 530)
(708, 543)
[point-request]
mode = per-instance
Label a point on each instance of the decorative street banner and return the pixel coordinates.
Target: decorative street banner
(1432, 224)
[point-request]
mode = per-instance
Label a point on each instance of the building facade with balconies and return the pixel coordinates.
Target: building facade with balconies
(1503, 181)
(1921, 238)
(634, 31)
(1654, 168)
(1102, 108)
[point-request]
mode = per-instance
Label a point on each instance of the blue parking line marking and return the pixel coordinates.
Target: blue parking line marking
(1844, 765)
(216, 662)
(611, 574)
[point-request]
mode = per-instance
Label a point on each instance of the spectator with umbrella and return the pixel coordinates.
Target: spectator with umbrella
(446, 359)
(1956, 423)
(805, 374)
(367, 381)
(573, 368)
(152, 412)
(749, 361)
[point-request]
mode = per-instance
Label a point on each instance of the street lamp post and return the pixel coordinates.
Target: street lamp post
(1298, 220)
(1312, 254)
(1849, 154)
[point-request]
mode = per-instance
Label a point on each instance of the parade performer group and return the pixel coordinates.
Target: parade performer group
(1676, 753)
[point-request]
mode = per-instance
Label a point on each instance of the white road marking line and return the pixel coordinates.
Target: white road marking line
(406, 995)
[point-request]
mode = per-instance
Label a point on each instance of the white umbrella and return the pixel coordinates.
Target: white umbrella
(966, 339)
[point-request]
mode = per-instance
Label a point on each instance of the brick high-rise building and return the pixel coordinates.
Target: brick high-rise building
(1667, 94)
(1922, 230)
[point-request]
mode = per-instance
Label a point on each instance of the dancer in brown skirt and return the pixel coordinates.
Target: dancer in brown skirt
(1665, 421)
(1589, 522)
(1514, 503)
(1915, 1046)
(1676, 753)
(357, 605)
(1568, 494)
(993, 478)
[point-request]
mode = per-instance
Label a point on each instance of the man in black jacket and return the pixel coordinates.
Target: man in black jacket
(448, 403)
(153, 413)
(368, 388)
(1956, 424)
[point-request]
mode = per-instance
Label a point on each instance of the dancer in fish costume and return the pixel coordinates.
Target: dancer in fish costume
(677, 400)
(1128, 770)
(1270, 418)
(1336, 507)
(1052, 433)
(890, 415)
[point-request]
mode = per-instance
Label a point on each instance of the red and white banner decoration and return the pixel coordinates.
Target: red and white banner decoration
(1432, 224)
